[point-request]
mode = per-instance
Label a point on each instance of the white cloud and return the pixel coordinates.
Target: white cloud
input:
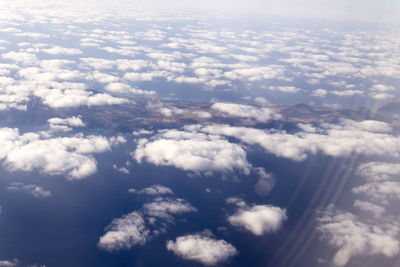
(58, 124)
(138, 227)
(32, 189)
(319, 93)
(382, 88)
(192, 152)
(164, 207)
(379, 191)
(201, 248)
(285, 89)
(247, 111)
(342, 139)
(153, 190)
(347, 92)
(21, 57)
(258, 219)
(379, 171)
(125, 232)
(121, 169)
(58, 50)
(125, 88)
(347, 232)
(376, 210)
(70, 156)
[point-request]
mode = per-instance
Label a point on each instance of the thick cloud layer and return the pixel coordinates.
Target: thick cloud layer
(201, 248)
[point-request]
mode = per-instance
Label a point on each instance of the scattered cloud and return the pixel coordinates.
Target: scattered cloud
(257, 219)
(348, 233)
(247, 111)
(379, 171)
(31, 189)
(59, 124)
(138, 227)
(70, 156)
(202, 248)
(125, 232)
(190, 151)
(153, 190)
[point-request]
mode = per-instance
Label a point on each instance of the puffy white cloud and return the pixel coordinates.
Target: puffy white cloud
(246, 111)
(153, 190)
(21, 57)
(138, 227)
(121, 169)
(347, 92)
(342, 139)
(125, 232)
(258, 219)
(57, 98)
(164, 207)
(59, 50)
(319, 93)
(285, 89)
(32, 189)
(201, 248)
(347, 232)
(58, 124)
(192, 152)
(125, 88)
(379, 171)
(70, 156)
(382, 88)
(379, 191)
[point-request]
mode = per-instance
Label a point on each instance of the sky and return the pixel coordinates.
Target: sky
(221, 179)
(381, 11)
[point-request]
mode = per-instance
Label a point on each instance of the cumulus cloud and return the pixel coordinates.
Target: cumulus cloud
(121, 169)
(32, 189)
(319, 93)
(125, 232)
(202, 248)
(285, 89)
(59, 50)
(258, 219)
(381, 192)
(342, 139)
(125, 88)
(138, 227)
(69, 156)
(164, 207)
(379, 171)
(348, 233)
(59, 124)
(153, 190)
(192, 152)
(246, 111)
